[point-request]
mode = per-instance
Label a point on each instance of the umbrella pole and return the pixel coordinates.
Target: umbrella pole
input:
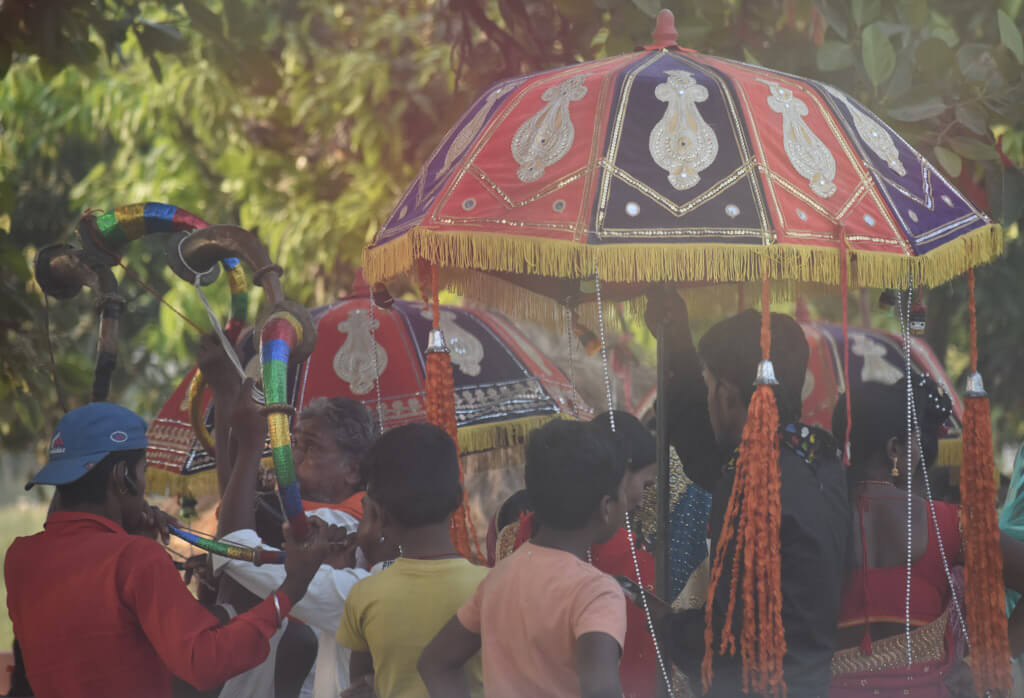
(663, 582)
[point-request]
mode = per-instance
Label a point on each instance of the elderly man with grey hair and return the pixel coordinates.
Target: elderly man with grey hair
(330, 438)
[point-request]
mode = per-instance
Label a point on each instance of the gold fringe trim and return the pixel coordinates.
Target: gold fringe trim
(519, 302)
(162, 483)
(951, 453)
(484, 437)
(653, 262)
(516, 301)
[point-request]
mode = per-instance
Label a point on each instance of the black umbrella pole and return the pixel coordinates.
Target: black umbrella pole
(663, 584)
(662, 581)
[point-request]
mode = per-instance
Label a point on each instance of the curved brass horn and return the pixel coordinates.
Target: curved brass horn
(61, 271)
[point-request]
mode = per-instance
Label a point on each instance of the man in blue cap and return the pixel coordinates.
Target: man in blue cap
(99, 611)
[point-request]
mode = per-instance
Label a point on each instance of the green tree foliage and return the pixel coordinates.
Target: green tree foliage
(305, 119)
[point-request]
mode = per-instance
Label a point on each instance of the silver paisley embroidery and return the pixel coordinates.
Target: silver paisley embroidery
(872, 133)
(876, 369)
(682, 142)
(809, 156)
(468, 132)
(466, 350)
(353, 363)
(546, 137)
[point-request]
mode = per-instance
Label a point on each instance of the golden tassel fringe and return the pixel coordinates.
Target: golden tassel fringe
(486, 437)
(951, 453)
(163, 483)
(651, 263)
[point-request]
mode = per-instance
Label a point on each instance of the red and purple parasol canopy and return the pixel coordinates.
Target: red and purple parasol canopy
(667, 165)
(504, 385)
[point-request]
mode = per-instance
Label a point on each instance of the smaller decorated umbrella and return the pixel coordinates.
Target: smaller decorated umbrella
(504, 386)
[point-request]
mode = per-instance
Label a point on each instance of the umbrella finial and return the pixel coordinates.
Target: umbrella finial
(665, 33)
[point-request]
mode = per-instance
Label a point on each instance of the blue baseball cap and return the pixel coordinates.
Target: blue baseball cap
(85, 436)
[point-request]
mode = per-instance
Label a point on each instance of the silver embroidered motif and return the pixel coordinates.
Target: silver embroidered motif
(466, 350)
(808, 155)
(546, 137)
(468, 132)
(682, 142)
(353, 363)
(872, 133)
(876, 368)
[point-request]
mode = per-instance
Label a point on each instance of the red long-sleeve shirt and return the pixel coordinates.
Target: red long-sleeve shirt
(99, 612)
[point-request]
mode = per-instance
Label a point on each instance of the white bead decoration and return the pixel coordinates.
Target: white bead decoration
(629, 533)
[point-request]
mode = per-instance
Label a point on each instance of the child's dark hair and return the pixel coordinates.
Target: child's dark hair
(634, 445)
(412, 471)
(569, 468)
(91, 488)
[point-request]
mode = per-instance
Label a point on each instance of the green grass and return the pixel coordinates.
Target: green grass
(19, 519)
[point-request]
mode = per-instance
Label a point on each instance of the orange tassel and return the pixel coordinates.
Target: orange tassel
(440, 408)
(983, 569)
(752, 523)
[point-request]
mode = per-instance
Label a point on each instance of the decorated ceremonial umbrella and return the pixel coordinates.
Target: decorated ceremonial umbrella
(504, 385)
(669, 166)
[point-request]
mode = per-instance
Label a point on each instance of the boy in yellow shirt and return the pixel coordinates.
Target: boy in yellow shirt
(412, 490)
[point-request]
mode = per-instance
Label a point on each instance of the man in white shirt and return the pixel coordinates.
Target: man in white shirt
(328, 442)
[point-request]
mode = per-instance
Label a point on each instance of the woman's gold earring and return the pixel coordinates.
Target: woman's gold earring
(895, 472)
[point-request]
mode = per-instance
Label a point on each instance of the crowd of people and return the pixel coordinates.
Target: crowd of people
(377, 601)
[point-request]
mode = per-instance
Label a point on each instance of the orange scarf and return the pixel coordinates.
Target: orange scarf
(353, 505)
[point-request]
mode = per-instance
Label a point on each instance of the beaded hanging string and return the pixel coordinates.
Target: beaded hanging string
(905, 335)
(570, 325)
(751, 527)
(938, 536)
(983, 568)
(604, 351)
(629, 532)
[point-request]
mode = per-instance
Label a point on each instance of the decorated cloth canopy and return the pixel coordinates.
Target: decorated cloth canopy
(670, 165)
(504, 385)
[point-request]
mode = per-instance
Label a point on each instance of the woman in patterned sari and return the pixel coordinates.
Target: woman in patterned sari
(871, 657)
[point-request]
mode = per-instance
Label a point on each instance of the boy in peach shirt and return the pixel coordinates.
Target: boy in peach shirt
(545, 621)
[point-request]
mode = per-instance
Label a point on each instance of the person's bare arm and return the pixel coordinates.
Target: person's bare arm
(248, 431)
(224, 383)
(686, 404)
(597, 663)
(442, 661)
(359, 666)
